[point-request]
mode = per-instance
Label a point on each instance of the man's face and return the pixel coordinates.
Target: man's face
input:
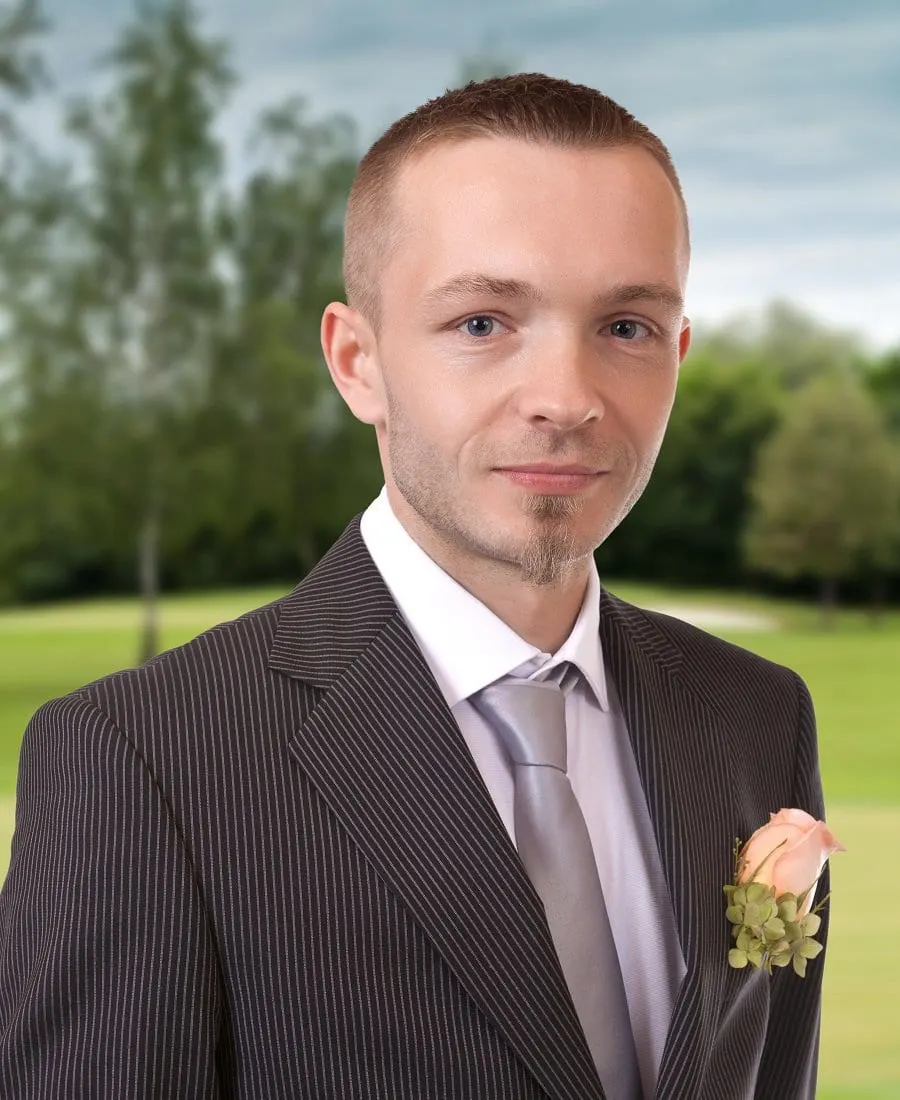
(530, 336)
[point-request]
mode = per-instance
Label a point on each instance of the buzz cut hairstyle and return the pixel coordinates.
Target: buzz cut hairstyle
(528, 107)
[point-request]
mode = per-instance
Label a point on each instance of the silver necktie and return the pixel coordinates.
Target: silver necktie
(555, 847)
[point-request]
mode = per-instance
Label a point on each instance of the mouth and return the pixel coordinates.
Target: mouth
(547, 477)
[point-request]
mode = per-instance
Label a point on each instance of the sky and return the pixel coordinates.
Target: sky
(783, 118)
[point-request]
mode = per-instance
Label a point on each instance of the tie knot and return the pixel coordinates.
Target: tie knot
(529, 717)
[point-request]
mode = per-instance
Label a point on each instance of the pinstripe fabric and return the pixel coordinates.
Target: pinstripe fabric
(700, 712)
(265, 865)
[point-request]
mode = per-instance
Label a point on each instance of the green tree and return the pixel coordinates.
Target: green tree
(52, 508)
(278, 419)
(688, 525)
(22, 69)
(884, 383)
(169, 386)
(795, 345)
(287, 229)
(23, 208)
(825, 490)
(147, 210)
(22, 72)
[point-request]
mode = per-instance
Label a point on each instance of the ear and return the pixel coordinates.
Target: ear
(351, 352)
(684, 340)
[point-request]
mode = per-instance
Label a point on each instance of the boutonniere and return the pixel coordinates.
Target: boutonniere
(769, 902)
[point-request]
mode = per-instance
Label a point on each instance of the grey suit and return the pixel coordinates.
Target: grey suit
(265, 865)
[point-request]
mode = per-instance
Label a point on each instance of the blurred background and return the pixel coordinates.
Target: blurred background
(172, 184)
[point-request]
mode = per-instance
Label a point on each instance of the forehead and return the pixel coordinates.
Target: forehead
(536, 211)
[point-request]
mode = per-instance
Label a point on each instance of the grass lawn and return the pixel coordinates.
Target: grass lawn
(853, 672)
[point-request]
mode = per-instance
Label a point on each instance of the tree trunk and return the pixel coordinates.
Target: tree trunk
(148, 569)
(828, 603)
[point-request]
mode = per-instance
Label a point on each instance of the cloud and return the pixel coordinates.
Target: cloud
(849, 281)
(781, 118)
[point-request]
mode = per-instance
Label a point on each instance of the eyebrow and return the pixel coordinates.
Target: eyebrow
(478, 284)
(661, 293)
(475, 283)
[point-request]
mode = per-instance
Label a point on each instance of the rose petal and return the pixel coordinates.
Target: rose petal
(768, 841)
(793, 817)
(801, 864)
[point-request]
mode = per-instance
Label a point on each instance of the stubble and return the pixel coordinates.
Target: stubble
(546, 557)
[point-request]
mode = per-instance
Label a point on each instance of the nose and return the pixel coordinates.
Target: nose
(561, 386)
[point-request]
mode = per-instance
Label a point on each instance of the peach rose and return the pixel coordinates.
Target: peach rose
(789, 854)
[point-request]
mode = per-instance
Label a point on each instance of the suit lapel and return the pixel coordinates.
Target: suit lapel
(387, 755)
(678, 746)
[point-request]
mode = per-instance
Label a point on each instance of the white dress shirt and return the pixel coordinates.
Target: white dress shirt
(468, 647)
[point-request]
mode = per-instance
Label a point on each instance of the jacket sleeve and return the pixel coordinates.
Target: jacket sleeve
(790, 1056)
(108, 976)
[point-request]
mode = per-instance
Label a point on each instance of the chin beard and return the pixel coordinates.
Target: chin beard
(549, 506)
(549, 554)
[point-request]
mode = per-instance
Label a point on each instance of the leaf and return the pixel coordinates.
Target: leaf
(737, 959)
(774, 929)
(811, 924)
(810, 948)
(787, 907)
(735, 913)
(756, 891)
(799, 965)
(752, 914)
(793, 930)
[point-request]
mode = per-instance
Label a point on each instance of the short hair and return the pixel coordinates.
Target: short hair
(528, 106)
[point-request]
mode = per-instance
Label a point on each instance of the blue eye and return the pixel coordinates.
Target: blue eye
(480, 326)
(628, 330)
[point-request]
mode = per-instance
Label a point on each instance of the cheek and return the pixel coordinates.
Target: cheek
(665, 413)
(427, 416)
(451, 406)
(644, 405)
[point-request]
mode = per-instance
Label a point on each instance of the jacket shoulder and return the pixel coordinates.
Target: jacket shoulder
(705, 659)
(183, 679)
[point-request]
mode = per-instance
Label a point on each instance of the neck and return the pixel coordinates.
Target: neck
(542, 614)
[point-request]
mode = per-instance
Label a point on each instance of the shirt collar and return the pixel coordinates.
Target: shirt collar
(464, 643)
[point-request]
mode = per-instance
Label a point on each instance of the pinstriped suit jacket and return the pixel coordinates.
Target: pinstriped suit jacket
(264, 865)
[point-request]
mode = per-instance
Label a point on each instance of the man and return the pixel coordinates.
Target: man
(302, 855)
